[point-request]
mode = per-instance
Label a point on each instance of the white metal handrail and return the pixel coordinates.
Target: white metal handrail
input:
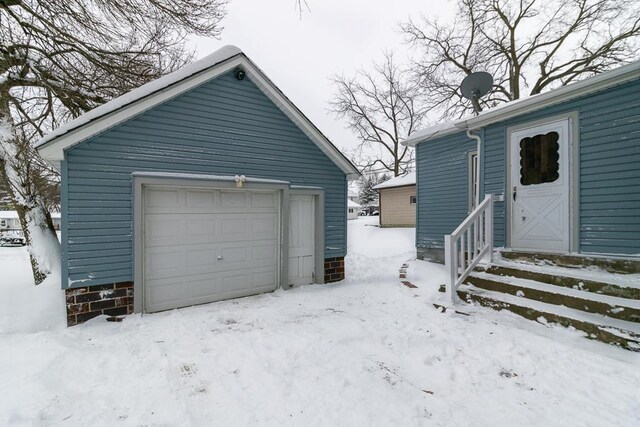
(468, 244)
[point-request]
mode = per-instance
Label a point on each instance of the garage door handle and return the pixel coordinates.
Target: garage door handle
(220, 258)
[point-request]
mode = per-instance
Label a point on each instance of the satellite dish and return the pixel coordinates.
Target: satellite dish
(475, 86)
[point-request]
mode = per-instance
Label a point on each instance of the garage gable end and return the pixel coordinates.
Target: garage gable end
(222, 62)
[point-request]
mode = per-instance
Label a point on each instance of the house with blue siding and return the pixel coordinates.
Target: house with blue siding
(206, 184)
(552, 179)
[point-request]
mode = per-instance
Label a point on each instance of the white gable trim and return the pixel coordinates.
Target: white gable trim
(53, 150)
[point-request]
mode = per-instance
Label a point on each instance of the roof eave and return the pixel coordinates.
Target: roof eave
(585, 87)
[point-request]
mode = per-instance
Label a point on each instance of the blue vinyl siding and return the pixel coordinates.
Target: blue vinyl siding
(609, 170)
(223, 127)
(442, 176)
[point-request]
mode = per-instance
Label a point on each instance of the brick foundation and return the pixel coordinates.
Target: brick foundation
(88, 302)
(333, 269)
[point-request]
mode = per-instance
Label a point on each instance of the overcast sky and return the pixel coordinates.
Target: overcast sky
(300, 53)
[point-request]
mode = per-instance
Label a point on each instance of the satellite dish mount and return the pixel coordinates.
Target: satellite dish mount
(475, 86)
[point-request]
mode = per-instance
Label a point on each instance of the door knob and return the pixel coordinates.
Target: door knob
(220, 258)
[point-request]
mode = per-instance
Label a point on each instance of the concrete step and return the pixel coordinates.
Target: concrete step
(613, 265)
(568, 278)
(589, 302)
(602, 328)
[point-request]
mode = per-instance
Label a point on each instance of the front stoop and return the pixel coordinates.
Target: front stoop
(601, 299)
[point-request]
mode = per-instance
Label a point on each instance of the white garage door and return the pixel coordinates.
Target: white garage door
(204, 245)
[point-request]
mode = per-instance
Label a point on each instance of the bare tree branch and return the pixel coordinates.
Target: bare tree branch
(382, 108)
(527, 45)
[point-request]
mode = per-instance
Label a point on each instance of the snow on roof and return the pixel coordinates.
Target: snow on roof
(8, 214)
(518, 107)
(352, 204)
(216, 57)
(398, 181)
(14, 214)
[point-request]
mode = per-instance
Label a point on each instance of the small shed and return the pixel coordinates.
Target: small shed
(206, 184)
(397, 199)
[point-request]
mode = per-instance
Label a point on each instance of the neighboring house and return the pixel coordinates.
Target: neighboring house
(353, 209)
(397, 200)
(559, 180)
(56, 219)
(9, 220)
(206, 184)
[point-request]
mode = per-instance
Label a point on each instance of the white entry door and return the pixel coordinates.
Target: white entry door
(203, 245)
(540, 176)
(301, 239)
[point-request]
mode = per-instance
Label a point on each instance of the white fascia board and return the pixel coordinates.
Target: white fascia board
(53, 151)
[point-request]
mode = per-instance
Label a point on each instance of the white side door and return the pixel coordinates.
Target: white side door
(540, 178)
(301, 239)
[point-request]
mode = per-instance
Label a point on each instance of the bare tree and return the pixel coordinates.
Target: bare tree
(59, 59)
(382, 108)
(529, 46)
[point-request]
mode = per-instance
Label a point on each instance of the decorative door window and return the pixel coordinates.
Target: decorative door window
(539, 156)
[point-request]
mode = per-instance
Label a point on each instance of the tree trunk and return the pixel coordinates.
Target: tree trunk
(42, 241)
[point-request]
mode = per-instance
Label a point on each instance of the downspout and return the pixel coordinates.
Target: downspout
(478, 139)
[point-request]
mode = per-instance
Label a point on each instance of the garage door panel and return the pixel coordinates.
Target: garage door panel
(188, 230)
(249, 227)
(265, 252)
(264, 200)
(165, 263)
(265, 227)
(161, 230)
(235, 285)
(162, 198)
(202, 199)
(234, 199)
(202, 228)
(164, 294)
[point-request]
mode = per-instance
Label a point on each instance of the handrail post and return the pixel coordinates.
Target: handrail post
(450, 262)
(475, 237)
(488, 218)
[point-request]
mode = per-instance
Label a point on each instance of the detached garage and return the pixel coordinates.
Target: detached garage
(204, 185)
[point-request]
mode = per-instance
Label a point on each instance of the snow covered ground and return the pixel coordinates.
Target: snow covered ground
(367, 351)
